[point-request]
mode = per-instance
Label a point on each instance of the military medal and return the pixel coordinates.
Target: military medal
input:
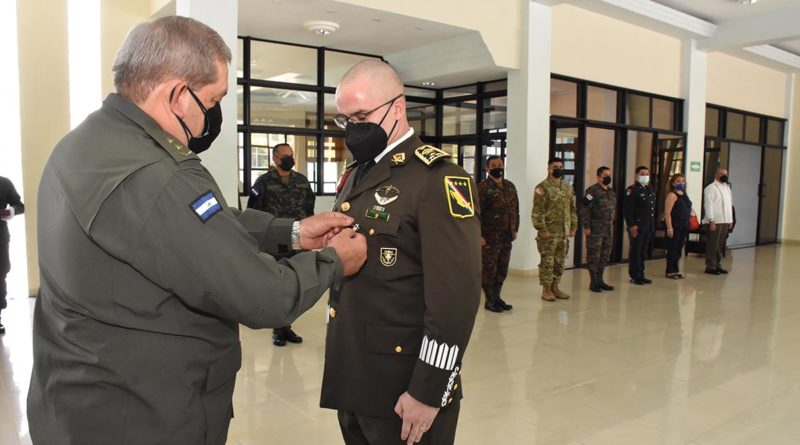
(377, 212)
(387, 194)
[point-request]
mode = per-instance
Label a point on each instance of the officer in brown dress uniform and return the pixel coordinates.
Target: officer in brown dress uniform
(397, 331)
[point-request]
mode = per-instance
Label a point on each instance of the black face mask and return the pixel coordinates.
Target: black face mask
(366, 140)
(211, 128)
(497, 172)
(723, 178)
(558, 173)
(607, 180)
(287, 162)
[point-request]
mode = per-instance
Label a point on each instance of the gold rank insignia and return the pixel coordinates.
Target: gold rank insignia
(430, 154)
(399, 158)
(458, 190)
(179, 148)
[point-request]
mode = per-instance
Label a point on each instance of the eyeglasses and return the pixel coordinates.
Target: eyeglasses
(342, 120)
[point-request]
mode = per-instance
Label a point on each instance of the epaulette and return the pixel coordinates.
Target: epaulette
(177, 150)
(429, 154)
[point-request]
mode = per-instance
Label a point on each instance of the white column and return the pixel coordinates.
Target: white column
(529, 125)
(222, 158)
(694, 80)
(788, 154)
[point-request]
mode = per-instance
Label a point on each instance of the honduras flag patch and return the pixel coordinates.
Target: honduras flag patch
(206, 206)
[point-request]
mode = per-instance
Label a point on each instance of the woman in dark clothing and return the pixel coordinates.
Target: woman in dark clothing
(677, 210)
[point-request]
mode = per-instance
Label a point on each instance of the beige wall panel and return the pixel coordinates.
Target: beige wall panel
(791, 210)
(591, 46)
(737, 83)
(117, 18)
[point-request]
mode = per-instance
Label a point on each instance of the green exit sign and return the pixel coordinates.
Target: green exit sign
(694, 166)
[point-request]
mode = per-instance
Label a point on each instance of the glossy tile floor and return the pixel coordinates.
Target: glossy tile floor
(706, 360)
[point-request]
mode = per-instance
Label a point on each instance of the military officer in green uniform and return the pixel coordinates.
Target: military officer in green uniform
(555, 219)
(597, 218)
(146, 272)
(397, 331)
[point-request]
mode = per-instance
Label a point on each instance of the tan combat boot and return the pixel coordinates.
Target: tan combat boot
(558, 293)
(547, 295)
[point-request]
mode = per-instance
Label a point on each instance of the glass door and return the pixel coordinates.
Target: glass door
(566, 144)
(669, 161)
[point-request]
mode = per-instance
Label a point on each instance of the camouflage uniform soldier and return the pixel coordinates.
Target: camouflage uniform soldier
(284, 193)
(597, 218)
(555, 218)
(499, 226)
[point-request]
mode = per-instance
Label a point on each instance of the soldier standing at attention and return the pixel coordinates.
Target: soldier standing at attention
(639, 210)
(499, 226)
(597, 218)
(397, 331)
(10, 205)
(284, 193)
(555, 219)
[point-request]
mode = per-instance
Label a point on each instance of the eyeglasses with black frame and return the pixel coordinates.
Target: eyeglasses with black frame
(342, 120)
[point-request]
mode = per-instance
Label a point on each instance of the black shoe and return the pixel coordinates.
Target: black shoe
(638, 282)
(505, 306)
(722, 271)
(291, 336)
(278, 337)
(712, 271)
(594, 285)
(496, 288)
(605, 286)
(494, 307)
(647, 280)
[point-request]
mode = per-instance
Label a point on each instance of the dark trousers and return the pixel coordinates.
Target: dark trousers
(496, 255)
(364, 430)
(637, 253)
(675, 248)
(5, 263)
(715, 244)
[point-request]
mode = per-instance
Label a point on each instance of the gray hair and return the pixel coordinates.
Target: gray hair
(171, 46)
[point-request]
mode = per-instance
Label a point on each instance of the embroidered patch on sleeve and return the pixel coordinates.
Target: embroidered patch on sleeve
(206, 206)
(459, 196)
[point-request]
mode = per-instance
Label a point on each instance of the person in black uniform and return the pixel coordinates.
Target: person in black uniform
(639, 209)
(397, 331)
(10, 205)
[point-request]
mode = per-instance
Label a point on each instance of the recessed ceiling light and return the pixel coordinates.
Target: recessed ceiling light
(321, 27)
(428, 84)
(747, 2)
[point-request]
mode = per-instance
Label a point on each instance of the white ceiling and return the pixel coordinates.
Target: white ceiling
(718, 11)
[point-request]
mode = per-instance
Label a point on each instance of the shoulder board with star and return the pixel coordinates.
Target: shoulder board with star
(430, 155)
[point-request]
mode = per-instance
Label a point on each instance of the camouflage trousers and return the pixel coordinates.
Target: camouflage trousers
(552, 251)
(598, 251)
(496, 255)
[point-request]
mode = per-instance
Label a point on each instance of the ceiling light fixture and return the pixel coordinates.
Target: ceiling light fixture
(321, 27)
(428, 84)
(747, 2)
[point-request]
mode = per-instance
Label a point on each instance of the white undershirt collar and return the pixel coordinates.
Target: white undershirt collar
(394, 144)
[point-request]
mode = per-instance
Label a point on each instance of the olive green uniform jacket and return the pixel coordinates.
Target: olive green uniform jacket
(404, 321)
(145, 275)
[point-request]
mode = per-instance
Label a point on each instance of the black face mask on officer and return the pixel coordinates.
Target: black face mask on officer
(211, 127)
(366, 140)
(724, 178)
(558, 173)
(606, 180)
(287, 162)
(497, 172)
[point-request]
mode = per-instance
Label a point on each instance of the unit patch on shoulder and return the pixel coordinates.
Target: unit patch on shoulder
(628, 192)
(206, 206)
(430, 154)
(458, 190)
(539, 191)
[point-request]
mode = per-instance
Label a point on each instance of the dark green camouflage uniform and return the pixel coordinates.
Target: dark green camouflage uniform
(294, 200)
(499, 225)
(553, 212)
(597, 214)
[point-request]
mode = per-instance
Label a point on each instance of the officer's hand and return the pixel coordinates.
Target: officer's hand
(713, 227)
(571, 233)
(316, 231)
(417, 418)
(634, 231)
(544, 235)
(483, 242)
(351, 248)
(670, 233)
(587, 232)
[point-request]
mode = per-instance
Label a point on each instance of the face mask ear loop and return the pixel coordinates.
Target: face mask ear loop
(388, 136)
(186, 131)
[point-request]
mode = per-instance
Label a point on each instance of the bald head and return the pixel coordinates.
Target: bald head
(373, 88)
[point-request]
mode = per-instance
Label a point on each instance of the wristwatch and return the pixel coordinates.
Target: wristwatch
(296, 236)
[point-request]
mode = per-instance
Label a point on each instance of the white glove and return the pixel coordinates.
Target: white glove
(10, 215)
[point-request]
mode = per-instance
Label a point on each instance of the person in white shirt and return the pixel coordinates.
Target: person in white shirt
(718, 218)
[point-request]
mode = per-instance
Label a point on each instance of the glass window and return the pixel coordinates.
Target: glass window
(240, 151)
(712, 121)
(420, 92)
(752, 131)
(663, 114)
(774, 132)
(239, 57)
(468, 157)
(563, 98)
(500, 85)
(283, 108)
(459, 118)
(638, 110)
(330, 112)
(734, 126)
(283, 63)
(495, 113)
(602, 104)
(240, 104)
(461, 91)
(716, 157)
(422, 118)
(337, 63)
(452, 149)
(639, 152)
(261, 153)
(335, 158)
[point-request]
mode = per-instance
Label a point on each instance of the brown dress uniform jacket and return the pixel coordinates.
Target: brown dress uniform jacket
(404, 321)
(145, 275)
